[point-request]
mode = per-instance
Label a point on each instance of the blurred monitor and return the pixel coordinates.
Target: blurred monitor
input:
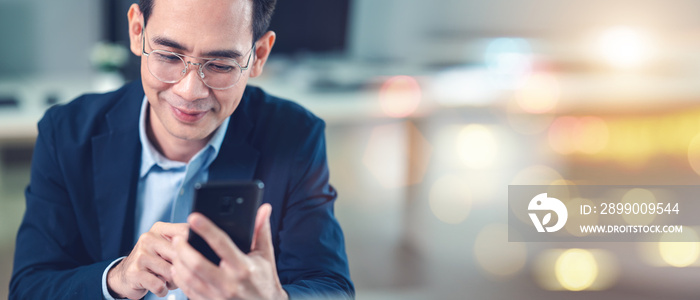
(310, 27)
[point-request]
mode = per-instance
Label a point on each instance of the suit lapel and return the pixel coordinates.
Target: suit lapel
(237, 158)
(116, 158)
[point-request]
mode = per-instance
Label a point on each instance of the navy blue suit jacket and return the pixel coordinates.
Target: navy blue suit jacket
(81, 197)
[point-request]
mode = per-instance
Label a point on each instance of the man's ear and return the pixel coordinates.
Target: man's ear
(263, 46)
(135, 28)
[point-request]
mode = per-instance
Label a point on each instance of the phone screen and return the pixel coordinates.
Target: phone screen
(230, 205)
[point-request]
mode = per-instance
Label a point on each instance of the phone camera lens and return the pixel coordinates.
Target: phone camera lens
(239, 200)
(226, 204)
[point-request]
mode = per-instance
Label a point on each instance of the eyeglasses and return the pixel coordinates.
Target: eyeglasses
(171, 67)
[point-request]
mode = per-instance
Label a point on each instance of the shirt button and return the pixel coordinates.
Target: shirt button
(171, 297)
(182, 192)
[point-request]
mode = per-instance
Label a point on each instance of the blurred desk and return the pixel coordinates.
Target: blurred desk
(34, 95)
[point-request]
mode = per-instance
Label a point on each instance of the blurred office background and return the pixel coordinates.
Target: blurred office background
(433, 109)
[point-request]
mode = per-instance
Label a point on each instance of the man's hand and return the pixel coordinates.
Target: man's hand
(147, 268)
(238, 276)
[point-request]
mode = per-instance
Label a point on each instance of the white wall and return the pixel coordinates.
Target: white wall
(47, 37)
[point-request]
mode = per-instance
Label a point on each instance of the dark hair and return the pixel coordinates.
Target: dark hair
(262, 13)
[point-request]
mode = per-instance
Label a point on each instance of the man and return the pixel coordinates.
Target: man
(112, 175)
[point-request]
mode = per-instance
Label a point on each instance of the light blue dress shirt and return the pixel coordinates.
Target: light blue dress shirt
(166, 188)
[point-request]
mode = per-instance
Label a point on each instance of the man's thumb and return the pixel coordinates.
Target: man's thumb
(262, 237)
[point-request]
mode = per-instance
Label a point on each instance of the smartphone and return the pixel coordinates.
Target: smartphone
(230, 205)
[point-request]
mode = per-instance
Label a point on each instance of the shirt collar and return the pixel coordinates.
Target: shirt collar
(151, 157)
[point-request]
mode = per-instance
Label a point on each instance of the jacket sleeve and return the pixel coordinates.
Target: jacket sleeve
(51, 260)
(311, 258)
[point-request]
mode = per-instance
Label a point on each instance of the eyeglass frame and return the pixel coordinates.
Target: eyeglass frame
(187, 63)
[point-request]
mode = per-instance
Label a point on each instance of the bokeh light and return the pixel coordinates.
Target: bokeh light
(576, 269)
(586, 135)
(538, 93)
(634, 142)
(495, 254)
(672, 250)
(476, 146)
(400, 96)
(624, 47)
(639, 196)
(594, 135)
(450, 199)
(680, 254)
(562, 132)
(508, 60)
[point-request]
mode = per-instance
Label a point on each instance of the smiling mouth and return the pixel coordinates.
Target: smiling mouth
(187, 116)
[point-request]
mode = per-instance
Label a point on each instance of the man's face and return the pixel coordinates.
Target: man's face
(189, 110)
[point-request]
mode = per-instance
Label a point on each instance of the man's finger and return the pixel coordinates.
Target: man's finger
(216, 238)
(154, 284)
(155, 244)
(159, 267)
(169, 230)
(262, 237)
(195, 262)
(194, 280)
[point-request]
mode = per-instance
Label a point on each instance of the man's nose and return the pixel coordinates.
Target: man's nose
(191, 87)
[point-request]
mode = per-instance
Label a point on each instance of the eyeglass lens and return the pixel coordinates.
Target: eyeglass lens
(170, 68)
